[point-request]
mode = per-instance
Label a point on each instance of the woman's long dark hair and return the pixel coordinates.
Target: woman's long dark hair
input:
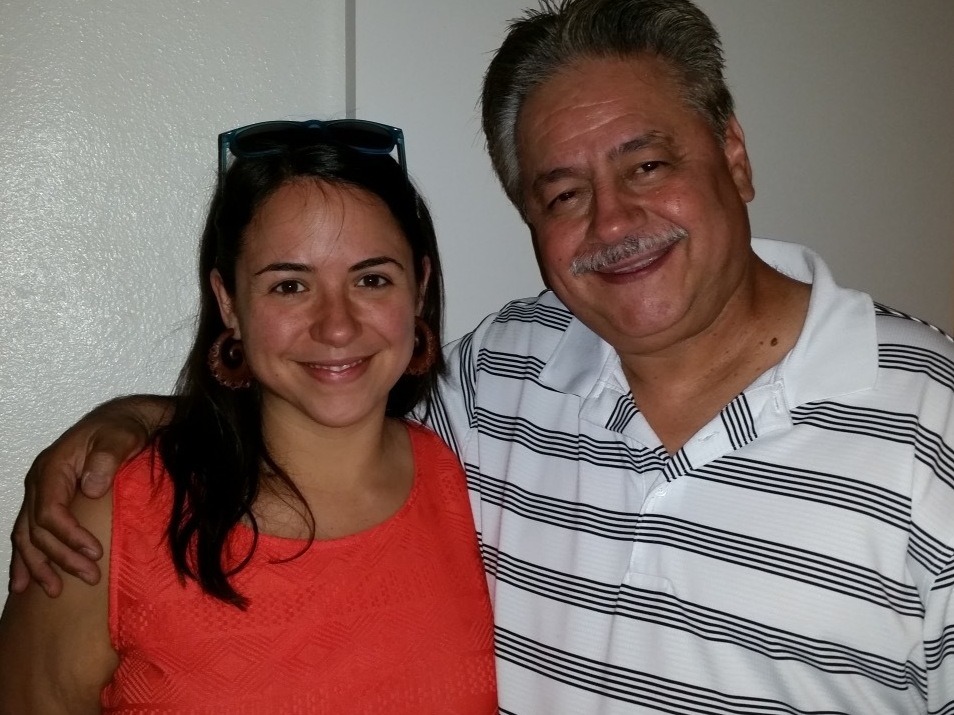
(213, 447)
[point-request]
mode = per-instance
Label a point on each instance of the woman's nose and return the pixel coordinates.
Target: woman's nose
(335, 322)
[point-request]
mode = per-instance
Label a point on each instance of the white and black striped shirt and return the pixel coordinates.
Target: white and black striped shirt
(796, 556)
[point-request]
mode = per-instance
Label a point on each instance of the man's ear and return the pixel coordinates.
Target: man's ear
(422, 283)
(536, 255)
(737, 159)
(224, 300)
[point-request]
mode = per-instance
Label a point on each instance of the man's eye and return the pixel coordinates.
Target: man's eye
(648, 167)
(561, 198)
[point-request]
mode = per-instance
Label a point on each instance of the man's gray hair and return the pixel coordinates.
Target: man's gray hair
(542, 42)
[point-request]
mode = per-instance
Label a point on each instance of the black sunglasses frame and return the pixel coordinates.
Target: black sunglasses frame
(340, 131)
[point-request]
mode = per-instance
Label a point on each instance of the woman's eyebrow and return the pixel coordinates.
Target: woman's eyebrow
(376, 261)
(291, 267)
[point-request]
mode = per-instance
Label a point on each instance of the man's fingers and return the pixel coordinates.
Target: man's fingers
(98, 474)
(86, 456)
(65, 542)
(66, 555)
(29, 558)
(107, 453)
(54, 530)
(19, 574)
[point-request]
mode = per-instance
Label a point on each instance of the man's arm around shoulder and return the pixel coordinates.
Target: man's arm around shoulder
(87, 455)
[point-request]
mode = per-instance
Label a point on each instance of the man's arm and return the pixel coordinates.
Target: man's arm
(88, 454)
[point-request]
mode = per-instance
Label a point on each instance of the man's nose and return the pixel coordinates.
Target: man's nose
(616, 214)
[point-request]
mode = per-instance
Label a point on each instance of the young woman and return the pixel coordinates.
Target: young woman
(289, 544)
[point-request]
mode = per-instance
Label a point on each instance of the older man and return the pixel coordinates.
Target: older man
(706, 479)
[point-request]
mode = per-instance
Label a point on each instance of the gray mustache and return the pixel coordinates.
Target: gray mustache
(600, 258)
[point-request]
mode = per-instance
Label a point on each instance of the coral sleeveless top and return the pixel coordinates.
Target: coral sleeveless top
(395, 619)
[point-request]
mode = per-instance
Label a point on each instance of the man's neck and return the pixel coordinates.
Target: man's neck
(679, 390)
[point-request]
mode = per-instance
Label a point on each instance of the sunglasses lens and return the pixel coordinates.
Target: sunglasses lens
(361, 135)
(263, 138)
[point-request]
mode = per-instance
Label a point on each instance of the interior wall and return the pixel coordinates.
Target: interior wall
(107, 136)
(418, 65)
(108, 130)
(848, 109)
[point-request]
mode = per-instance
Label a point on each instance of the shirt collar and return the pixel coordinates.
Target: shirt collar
(579, 356)
(836, 353)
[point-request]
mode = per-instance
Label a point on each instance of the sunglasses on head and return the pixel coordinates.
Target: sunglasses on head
(265, 138)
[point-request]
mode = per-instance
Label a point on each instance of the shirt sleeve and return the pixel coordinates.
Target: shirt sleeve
(452, 414)
(931, 543)
(939, 642)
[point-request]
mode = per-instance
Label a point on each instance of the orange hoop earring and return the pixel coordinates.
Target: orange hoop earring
(227, 362)
(425, 349)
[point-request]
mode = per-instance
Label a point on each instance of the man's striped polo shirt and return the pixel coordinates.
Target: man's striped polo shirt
(796, 556)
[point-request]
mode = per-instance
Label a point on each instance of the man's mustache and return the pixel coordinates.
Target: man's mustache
(597, 259)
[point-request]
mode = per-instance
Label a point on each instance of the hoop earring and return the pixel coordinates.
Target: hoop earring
(227, 362)
(425, 349)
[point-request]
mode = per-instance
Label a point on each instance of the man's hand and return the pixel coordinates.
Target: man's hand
(88, 454)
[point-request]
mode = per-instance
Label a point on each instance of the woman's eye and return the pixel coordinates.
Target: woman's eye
(289, 286)
(373, 280)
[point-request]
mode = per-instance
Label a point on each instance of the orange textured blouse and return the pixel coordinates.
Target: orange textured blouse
(395, 619)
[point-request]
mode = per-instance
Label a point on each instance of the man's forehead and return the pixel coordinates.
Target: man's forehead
(624, 116)
(646, 65)
(600, 83)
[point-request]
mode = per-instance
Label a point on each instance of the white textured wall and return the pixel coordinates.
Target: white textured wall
(108, 129)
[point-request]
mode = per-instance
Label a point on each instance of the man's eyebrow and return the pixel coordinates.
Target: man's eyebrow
(637, 143)
(653, 138)
(554, 175)
(290, 267)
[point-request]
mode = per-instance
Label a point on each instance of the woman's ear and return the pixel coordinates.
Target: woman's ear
(422, 283)
(224, 300)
